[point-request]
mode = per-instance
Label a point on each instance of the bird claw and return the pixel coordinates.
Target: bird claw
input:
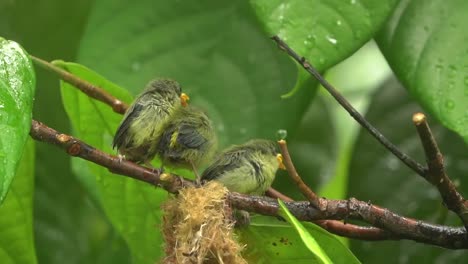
(242, 218)
(121, 157)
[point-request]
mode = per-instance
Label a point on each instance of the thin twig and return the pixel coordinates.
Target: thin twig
(394, 225)
(305, 190)
(437, 175)
(86, 87)
(273, 193)
(411, 163)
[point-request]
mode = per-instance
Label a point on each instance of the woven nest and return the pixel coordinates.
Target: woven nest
(197, 227)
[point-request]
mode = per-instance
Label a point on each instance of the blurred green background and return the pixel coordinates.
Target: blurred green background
(223, 58)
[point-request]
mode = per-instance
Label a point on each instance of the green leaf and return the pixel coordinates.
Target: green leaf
(323, 31)
(17, 85)
(16, 221)
(214, 49)
(269, 240)
(67, 224)
(306, 237)
(425, 44)
(377, 176)
(132, 206)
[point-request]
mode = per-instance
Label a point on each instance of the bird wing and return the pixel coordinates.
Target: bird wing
(189, 137)
(231, 160)
(132, 113)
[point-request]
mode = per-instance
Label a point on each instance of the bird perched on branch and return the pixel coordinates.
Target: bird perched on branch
(188, 140)
(249, 168)
(144, 122)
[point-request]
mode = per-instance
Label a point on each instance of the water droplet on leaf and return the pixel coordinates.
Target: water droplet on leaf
(449, 104)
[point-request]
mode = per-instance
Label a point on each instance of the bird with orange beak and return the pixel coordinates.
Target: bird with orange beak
(249, 168)
(144, 122)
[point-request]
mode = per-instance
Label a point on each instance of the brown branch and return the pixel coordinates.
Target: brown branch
(338, 227)
(305, 190)
(77, 148)
(436, 174)
(407, 160)
(396, 227)
(86, 87)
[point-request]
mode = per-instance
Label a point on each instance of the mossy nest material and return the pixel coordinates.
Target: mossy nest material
(197, 227)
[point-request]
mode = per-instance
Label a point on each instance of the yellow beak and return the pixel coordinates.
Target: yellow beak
(279, 157)
(184, 99)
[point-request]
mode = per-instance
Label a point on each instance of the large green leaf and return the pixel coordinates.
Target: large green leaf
(377, 176)
(213, 48)
(426, 45)
(67, 225)
(323, 31)
(16, 221)
(132, 206)
(17, 85)
(269, 240)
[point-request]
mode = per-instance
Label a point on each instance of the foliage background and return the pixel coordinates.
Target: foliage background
(222, 57)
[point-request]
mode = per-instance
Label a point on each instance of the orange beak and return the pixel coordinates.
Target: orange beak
(279, 157)
(184, 99)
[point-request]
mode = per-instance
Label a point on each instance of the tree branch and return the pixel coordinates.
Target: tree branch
(436, 174)
(411, 163)
(305, 190)
(396, 227)
(86, 87)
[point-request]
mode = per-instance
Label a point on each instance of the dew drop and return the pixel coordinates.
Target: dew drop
(322, 60)
(449, 104)
(281, 134)
(451, 85)
(338, 23)
(352, 2)
(331, 39)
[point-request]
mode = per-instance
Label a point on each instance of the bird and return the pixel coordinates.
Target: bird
(188, 140)
(249, 168)
(139, 132)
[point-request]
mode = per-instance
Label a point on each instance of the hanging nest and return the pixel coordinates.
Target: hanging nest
(198, 228)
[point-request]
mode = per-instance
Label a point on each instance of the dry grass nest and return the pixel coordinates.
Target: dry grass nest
(198, 227)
